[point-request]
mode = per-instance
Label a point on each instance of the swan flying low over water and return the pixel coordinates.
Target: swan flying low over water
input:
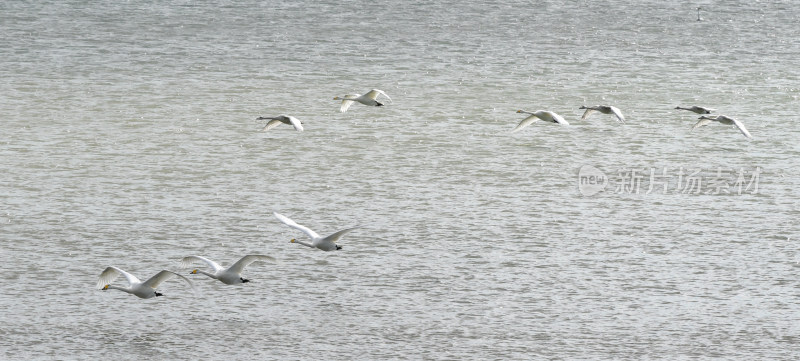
(229, 276)
(324, 243)
(704, 120)
(285, 119)
(370, 98)
(146, 289)
(698, 110)
(605, 109)
(545, 115)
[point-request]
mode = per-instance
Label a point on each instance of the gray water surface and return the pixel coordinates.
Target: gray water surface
(129, 139)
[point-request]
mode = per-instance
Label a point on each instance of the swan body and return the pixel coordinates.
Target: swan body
(370, 98)
(544, 115)
(704, 120)
(605, 109)
(146, 289)
(698, 110)
(229, 276)
(285, 119)
(698, 14)
(324, 243)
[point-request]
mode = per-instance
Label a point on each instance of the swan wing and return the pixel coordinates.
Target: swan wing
(311, 234)
(559, 119)
(701, 123)
(617, 113)
(111, 273)
(345, 105)
(347, 101)
(189, 260)
(373, 94)
(247, 260)
(335, 237)
(587, 113)
(164, 275)
(741, 127)
(295, 123)
(271, 124)
(524, 123)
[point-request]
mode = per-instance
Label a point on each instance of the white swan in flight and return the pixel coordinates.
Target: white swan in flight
(704, 120)
(370, 98)
(146, 289)
(545, 115)
(229, 276)
(285, 119)
(697, 109)
(605, 109)
(324, 243)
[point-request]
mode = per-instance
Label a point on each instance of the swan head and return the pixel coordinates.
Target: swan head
(244, 280)
(337, 98)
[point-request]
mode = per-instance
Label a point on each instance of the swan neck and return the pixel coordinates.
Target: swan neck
(124, 289)
(207, 274)
(305, 244)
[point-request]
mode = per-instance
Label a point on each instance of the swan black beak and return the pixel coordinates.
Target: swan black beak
(159, 294)
(338, 247)
(244, 280)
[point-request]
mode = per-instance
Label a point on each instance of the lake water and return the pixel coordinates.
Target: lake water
(129, 138)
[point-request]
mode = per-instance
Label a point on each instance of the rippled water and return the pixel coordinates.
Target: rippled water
(129, 139)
